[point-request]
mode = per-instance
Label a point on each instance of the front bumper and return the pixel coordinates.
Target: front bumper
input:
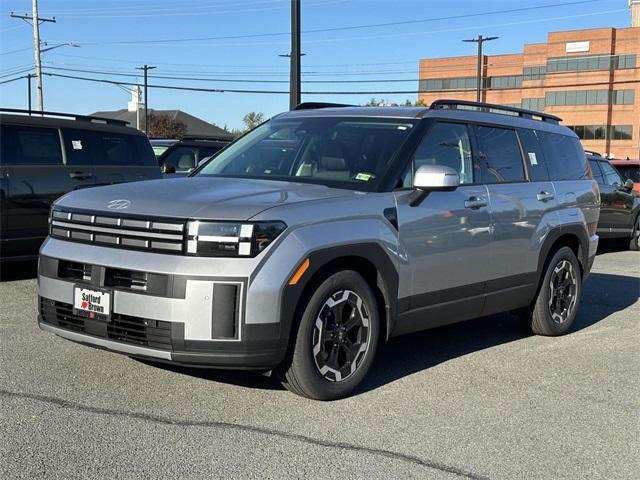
(169, 313)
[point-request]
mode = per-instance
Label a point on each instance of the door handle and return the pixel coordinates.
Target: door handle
(475, 202)
(545, 196)
(80, 175)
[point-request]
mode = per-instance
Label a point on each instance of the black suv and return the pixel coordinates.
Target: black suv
(45, 156)
(185, 155)
(620, 205)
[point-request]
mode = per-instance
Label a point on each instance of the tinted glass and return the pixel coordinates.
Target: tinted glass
(77, 145)
(118, 149)
(30, 146)
(501, 158)
(611, 175)
(208, 151)
(183, 158)
(596, 172)
(446, 144)
(346, 152)
(533, 155)
(630, 172)
(564, 156)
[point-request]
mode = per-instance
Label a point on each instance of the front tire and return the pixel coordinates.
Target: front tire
(556, 305)
(336, 338)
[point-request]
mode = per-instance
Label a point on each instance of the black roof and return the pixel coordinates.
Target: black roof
(61, 119)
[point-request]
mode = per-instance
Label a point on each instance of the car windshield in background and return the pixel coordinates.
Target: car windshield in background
(343, 152)
(630, 172)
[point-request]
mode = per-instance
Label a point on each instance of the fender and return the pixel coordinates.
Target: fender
(576, 230)
(387, 280)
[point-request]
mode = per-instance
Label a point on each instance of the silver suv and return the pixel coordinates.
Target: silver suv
(322, 233)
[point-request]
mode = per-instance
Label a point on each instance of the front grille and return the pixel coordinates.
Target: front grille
(125, 279)
(118, 232)
(121, 328)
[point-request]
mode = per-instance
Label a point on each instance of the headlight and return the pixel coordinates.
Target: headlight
(231, 239)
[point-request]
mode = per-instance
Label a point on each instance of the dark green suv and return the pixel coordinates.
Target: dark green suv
(620, 204)
(43, 157)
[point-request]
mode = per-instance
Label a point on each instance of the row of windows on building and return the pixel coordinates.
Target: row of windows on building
(590, 97)
(558, 64)
(469, 83)
(603, 132)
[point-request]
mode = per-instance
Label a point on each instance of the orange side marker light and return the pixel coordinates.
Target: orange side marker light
(299, 272)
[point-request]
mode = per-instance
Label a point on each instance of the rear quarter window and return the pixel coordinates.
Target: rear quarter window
(107, 148)
(564, 156)
(23, 145)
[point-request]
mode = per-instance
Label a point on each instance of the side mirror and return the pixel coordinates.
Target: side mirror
(628, 185)
(429, 178)
(168, 168)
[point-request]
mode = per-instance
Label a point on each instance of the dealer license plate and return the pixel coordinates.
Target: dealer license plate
(90, 303)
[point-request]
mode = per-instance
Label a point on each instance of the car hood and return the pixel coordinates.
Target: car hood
(202, 198)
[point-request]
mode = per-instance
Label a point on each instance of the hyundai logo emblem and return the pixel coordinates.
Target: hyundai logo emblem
(119, 204)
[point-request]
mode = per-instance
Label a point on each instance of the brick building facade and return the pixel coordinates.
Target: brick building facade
(589, 78)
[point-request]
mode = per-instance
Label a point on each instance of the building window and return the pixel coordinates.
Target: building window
(590, 97)
(602, 132)
(534, 73)
(536, 104)
(591, 62)
(507, 81)
(458, 83)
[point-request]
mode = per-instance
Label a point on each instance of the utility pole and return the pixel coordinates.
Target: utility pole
(36, 21)
(479, 40)
(146, 69)
(294, 69)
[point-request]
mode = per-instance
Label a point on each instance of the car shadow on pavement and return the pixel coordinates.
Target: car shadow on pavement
(18, 270)
(603, 295)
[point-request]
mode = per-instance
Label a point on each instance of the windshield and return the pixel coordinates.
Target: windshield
(340, 152)
(630, 172)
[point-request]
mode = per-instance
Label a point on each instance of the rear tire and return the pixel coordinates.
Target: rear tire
(336, 339)
(556, 306)
(634, 243)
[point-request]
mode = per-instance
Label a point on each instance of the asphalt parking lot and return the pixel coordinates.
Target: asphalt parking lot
(482, 399)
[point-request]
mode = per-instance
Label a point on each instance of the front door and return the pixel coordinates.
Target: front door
(446, 238)
(616, 204)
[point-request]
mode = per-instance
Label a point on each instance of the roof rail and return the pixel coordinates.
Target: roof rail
(486, 107)
(75, 116)
(591, 152)
(312, 105)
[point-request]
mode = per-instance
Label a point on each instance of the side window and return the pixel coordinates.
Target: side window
(611, 175)
(77, 147)
(500, 155)
(596, 172)
(112, 148)
(183, 158)
(30, 146)
(564, 156)
(446, 144)
(144, 151)
(533, 155)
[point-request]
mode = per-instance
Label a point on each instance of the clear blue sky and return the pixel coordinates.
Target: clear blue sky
(383, 52)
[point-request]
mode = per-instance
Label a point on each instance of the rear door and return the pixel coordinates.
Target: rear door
(115, 157)
(36, 175)
(518, 208)
(607, 198)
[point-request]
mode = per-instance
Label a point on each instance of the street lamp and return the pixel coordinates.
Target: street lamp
(68, 44)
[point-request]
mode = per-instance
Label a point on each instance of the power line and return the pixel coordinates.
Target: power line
(13, 79)
(344, 28)
(367, 92)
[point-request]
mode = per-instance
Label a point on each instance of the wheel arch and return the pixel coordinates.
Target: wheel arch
(368, 259)
(573, 236)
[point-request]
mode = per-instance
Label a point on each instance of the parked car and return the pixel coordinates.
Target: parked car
(183, 156)
(361, 224)
(44, 157)
(620, 205)
(630, 170)
(160, 145)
